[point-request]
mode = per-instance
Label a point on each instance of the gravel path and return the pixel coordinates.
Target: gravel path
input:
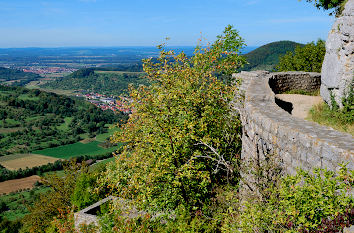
(301, 103)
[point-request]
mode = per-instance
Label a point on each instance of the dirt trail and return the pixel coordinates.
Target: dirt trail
(301, 103)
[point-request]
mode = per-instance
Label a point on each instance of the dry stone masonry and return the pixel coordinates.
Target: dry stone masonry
(337, 69)
(269, 129)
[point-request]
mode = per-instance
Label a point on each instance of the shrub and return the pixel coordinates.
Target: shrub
(181, 138)
(306, 202)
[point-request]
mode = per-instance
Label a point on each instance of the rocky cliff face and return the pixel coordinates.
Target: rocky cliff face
(338, 65)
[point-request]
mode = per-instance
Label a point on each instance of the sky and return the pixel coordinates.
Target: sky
(67, 23)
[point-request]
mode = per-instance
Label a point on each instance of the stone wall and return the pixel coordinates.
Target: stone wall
(268, 129)
(287, 81)
(87, 216)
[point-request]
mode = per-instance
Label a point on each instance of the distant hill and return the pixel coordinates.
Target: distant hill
(266, 57)
(16, 77)
(105, 81)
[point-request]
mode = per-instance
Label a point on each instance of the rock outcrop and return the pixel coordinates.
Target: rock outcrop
(337, 69)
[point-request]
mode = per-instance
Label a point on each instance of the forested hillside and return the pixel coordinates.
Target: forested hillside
(34, 119)
(267, 56)
(16, 77)
(104, 81)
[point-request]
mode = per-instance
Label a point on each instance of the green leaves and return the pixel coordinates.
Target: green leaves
(164, 164)
(316, 201)
(336, 5)
(308, 58)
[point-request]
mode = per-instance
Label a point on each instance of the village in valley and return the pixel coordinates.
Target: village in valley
(105, 102)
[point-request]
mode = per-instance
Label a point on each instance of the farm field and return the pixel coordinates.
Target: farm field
(18, 184)
(76, 149)
(17, 161)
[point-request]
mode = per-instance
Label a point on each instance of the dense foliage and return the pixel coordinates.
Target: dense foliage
(267, 56)
(33, 119)
(306, 58)
(16, 77)
(14, 206)
(56, 200)
(336, 5)
(182, 140)
(101, 80)
(319, 201)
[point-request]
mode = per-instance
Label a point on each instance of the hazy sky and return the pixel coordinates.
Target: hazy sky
(56, 23)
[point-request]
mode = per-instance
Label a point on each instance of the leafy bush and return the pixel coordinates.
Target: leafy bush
(182, 139)
(182, 221)
(306, 202)
(83, 194)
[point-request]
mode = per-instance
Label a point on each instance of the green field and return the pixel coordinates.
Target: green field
(74, 150)
(28, 97)
(65, 125)
(103, 137)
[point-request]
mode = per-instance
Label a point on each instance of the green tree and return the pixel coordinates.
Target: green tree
(308, 58)
(336, 5)
(181, 139)
(54, 202)
(83, 194)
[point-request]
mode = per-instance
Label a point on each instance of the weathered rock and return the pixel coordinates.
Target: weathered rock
(337, 68)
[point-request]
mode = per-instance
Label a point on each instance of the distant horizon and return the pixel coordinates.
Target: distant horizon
(138, 23)
(117, 46)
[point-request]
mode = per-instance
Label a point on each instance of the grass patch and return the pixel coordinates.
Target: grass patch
(9, 123)
(65, 126)
(59, 173)
(28, 97)
(103, 137)
(341, 120)
(302, 92)
(75, 150)
(34, 118)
